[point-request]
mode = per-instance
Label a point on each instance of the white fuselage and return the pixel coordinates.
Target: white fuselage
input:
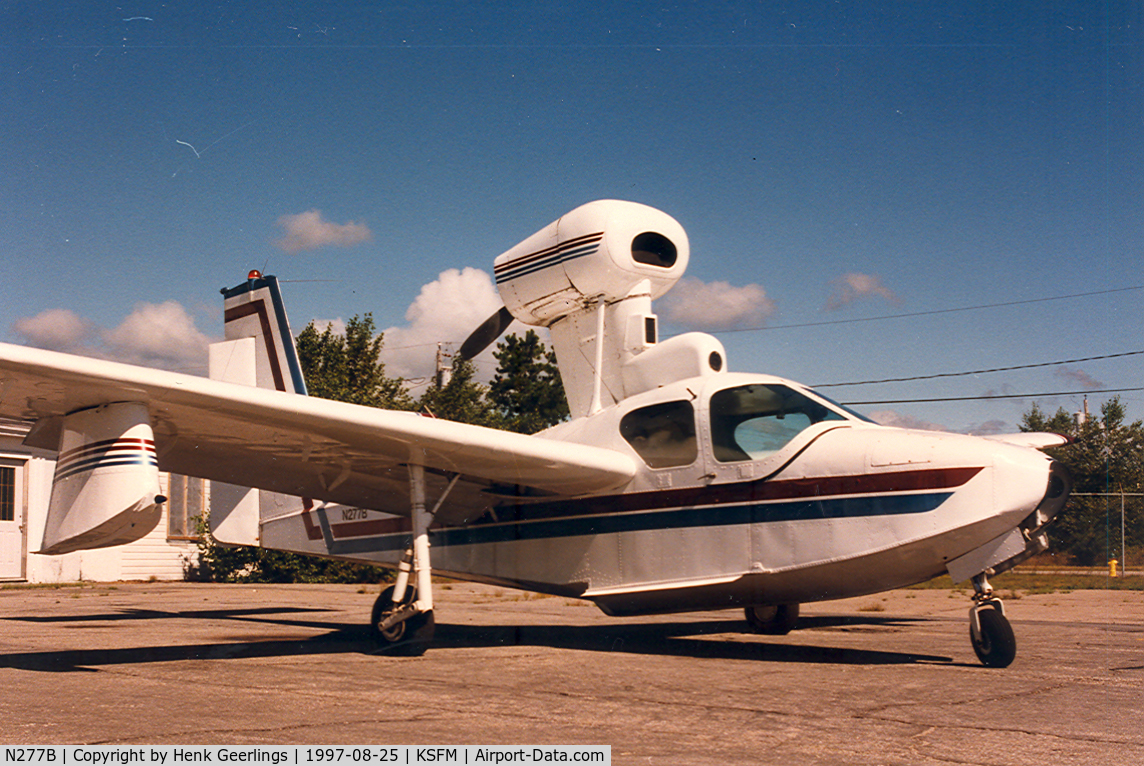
(770, 495)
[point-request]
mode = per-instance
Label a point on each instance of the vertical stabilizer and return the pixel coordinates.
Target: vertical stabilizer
(258, 351)
(254, 310)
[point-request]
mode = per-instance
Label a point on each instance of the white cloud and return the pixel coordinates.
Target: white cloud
(1075, 377)
(158, 335)
(1005, 390)
(715, 305)
(55, 329)
(153, 335)
(446, 309)
(309, 231)
(337, 326)
(852, 287)
(899, 420)
(990, 428)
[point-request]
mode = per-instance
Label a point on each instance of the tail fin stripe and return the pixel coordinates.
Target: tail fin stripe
(288, 349)
(279, 348)
(259, 307)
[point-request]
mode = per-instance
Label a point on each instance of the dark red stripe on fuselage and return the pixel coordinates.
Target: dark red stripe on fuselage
(759, 491)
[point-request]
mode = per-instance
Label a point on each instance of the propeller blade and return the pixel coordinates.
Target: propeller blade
(482, 337)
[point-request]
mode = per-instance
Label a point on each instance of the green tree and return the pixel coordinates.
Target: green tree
(1035, 420)
(526, 391)
(347, 367)
(461, 399)
(244, 563)
(1106, 456)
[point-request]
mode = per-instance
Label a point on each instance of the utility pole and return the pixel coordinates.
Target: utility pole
(444, 371)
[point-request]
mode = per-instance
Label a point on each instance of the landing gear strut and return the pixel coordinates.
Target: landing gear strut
(989, 630)
(402, 618)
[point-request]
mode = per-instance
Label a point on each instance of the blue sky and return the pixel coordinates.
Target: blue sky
(834, 163)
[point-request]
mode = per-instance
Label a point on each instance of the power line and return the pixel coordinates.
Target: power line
(995, 396)
(879, 319)
(931, 312)
(982, 372)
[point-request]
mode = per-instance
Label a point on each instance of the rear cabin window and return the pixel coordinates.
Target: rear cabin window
(662, 434)
(756, 421)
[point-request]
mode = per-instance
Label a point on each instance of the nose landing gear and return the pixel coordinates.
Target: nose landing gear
(989, 630)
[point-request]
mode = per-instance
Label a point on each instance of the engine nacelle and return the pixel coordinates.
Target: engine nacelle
(106, 486)
(603, 250)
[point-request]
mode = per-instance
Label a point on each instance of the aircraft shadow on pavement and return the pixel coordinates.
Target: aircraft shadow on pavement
(151, 614)
(683, 639)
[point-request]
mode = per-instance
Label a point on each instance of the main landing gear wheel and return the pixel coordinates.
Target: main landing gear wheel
(989, 630)
(408, 638)
(772, 619)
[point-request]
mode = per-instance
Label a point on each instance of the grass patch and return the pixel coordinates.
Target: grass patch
(1029, 583)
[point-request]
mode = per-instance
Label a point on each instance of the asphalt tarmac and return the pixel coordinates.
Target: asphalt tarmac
(886, 679)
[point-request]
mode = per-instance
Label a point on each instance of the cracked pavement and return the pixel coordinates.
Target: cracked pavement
(884, 679)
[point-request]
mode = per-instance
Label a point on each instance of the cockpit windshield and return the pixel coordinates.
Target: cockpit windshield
(844, 408)
(755, 421)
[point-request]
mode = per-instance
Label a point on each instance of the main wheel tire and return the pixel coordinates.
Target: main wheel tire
(409, 638)
(772, 619)
(996, 646)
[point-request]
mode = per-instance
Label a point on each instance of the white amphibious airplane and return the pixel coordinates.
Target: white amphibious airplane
(676, 485)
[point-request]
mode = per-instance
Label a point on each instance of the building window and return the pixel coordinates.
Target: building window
(186, 506)
(7, 493)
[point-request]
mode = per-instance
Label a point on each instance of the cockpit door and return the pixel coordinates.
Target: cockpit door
(665, 436)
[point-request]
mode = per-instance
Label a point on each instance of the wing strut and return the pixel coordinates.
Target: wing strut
(414, 608)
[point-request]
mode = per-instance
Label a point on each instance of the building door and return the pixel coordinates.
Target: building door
(11, 519)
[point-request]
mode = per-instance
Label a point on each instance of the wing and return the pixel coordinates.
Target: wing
(294, 444)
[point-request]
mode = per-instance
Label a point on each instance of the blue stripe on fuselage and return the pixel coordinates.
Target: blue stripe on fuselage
(678, 518)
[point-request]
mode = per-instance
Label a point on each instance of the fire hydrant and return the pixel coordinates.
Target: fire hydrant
(1112, 568)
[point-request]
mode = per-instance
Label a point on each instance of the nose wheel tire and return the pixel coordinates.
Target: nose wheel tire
(408, 638)
(992, 637)
(772, 619)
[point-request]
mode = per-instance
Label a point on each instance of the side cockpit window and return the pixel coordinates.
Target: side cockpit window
(662, 434)
(756, 421)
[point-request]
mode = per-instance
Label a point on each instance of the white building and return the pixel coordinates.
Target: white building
(167, 553)
(258, 351)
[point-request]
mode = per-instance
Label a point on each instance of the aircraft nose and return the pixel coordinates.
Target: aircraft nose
(1029, 487)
